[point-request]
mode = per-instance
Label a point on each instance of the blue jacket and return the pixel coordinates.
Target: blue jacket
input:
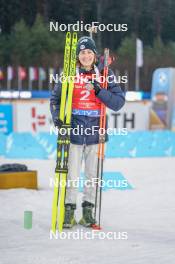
(113, 98)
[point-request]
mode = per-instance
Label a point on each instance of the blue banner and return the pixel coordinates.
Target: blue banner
(162, 79)
(6, 118)
(161, 90)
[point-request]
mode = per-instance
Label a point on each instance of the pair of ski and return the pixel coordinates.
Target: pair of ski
(63, 142)
(69, 70)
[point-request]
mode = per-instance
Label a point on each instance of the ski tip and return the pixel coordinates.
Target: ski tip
(96, 227)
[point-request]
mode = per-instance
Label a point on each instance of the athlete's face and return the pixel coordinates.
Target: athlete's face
(86, 57)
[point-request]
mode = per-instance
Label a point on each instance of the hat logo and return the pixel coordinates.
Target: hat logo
(84, 40)
(82, 47)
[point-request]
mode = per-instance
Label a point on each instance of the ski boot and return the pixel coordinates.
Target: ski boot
(87, 220)
(69, 219)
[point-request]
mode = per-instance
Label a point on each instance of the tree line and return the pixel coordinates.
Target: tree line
(25, 38)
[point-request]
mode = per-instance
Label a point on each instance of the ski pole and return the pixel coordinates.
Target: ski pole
(101, 140)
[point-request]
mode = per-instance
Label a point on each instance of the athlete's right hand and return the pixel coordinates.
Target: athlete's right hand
(58, 122)
(97, 87)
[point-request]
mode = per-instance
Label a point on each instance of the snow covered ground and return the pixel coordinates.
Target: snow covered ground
(146, 213)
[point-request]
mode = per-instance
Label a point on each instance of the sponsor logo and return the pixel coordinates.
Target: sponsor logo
(84, 40)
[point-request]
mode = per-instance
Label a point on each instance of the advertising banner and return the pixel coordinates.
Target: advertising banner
(133, 116)
(33, 116)
(6, 118)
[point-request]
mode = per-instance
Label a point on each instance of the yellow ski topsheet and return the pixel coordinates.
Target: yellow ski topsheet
(69, 70)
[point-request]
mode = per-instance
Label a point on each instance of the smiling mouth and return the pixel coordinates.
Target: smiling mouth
(87, 60)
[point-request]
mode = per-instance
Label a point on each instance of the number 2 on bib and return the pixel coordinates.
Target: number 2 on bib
(85, 96)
